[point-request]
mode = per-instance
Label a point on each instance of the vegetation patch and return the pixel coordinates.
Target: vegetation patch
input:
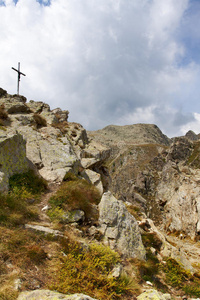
(62, 126)
(23, 252)
(14, 207)
(194, 159)
(29, 182)
(86, 271)
(134, 211)
(3, 113)
(75, 193)
(150, 268)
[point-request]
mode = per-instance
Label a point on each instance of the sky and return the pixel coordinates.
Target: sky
(107, 61)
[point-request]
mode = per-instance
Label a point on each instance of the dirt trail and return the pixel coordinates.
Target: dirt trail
(43, 205)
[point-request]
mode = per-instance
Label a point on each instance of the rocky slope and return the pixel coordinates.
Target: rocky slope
(144, 204)
(161, 179)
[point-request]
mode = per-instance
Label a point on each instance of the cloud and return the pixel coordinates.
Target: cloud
(107, 62)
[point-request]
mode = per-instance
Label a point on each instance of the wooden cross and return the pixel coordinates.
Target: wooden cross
(19, 74)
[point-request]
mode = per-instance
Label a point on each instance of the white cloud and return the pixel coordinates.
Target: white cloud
(194, 125)
(105, 61)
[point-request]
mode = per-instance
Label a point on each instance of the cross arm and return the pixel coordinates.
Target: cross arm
(18, 72)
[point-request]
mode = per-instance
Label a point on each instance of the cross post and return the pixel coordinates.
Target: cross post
(19, 74)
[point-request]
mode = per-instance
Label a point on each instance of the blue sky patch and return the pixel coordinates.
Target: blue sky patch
(42, 2)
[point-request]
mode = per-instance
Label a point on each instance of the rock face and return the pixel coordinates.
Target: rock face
(161, 180)
(119, 227)
(12, 157)
(179, 193)
(50, 295)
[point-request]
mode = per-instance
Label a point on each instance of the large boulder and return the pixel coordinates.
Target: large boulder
(119, 227)
(52, 154)
(13, 158)
(50, 295)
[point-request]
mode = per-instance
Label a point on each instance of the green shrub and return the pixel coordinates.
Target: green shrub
(76, 194)
(86, 271)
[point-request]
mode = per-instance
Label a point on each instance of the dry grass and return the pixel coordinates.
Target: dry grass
(62, 126)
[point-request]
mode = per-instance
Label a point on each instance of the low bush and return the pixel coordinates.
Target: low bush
(73, 194)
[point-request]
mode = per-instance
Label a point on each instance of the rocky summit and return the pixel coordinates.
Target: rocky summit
(109, 214)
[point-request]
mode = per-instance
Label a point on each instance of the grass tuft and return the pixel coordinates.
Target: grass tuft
(74, 194)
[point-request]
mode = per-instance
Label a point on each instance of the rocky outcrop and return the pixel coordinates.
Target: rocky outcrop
(54, 145)
(13, 158)
(50, 295)
(179, 193)
(191, 135)
(119, 227)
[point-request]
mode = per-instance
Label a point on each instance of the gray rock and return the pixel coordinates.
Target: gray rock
(43, 229)
(180, 149)
(94, 178)
(50, 117)
(62, 115)
(14, 105)
(153, 295)
(96, 152)
(38, 106)
(179, 193)
(53, 157)
(116, 272)
(50, 295)
(13, 158)
(74, 216)
(119, 227)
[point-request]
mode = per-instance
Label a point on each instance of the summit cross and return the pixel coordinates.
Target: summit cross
(19, 74)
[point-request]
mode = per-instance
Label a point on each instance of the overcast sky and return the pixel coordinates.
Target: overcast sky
(106, 61)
